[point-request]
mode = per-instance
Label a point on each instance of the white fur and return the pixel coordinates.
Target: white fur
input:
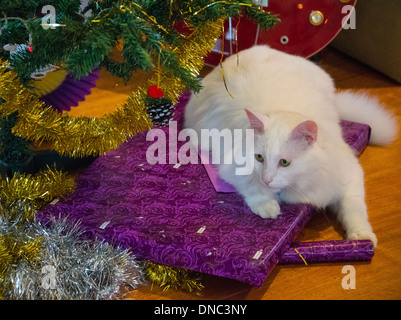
(285, 90)
(359, 107)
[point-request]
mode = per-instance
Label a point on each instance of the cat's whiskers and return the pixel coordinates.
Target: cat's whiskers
(298, 193)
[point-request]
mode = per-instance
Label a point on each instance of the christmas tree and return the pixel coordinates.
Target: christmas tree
(168, 37)
(82, 38)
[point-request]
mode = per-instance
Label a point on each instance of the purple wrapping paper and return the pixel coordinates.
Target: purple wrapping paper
(71, 91)
(329, 251)
(219, 184)
(357, 135)
(172, 215)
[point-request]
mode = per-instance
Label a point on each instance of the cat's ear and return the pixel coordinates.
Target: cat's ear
(256, 123)
(305, 132)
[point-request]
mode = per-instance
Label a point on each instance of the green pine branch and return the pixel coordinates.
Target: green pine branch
(145, 28)
(13, 149)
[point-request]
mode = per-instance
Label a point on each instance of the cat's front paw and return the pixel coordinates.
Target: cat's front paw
(363, 235)
(266, 209)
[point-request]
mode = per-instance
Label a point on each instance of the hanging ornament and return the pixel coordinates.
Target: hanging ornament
(17, 48)
(155, 92)
(160, 109)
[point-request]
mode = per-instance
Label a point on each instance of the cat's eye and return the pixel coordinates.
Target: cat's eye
(259, 157)
(284, 162)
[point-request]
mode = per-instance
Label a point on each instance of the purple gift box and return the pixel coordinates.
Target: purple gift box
(328, 251)
(172, 215)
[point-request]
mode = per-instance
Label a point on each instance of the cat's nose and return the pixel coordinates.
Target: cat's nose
(267, 180)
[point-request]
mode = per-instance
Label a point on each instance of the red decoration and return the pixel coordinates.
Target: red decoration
(155, 92)
(30, 49)
(306, 27)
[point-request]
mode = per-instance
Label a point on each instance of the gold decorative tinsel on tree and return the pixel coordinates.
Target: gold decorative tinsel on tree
(85, 136)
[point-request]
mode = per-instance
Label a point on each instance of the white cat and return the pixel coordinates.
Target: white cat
(293, 107)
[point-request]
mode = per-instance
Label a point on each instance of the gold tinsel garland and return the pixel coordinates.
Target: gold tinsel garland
(11, 250)
(85, 136)
(167, 277)
(73, 136)
(27, 193)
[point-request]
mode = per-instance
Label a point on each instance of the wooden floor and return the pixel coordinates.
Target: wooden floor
(378, 279)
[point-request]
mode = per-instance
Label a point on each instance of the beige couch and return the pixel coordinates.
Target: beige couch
(376, 40)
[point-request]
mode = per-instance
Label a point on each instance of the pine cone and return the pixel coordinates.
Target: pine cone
(160, 111)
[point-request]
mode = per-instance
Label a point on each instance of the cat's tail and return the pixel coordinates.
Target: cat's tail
(362, 108)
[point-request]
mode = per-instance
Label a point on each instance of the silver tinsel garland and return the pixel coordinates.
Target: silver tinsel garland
(69, 267)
